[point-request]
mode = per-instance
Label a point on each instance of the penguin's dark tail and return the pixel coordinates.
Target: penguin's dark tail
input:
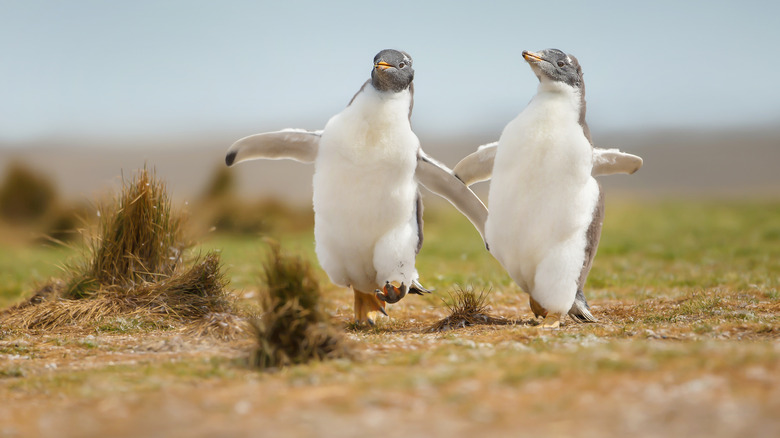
(580, 310)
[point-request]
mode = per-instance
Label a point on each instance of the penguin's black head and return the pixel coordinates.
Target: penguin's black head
(392, 71)
(556, 66)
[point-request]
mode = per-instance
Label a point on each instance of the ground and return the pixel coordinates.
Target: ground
(687, 293)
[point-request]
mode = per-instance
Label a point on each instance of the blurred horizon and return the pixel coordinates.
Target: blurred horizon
(728, 163)
(116, 73)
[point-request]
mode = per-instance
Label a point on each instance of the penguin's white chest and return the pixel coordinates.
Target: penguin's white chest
(541, 192)
(364, 187)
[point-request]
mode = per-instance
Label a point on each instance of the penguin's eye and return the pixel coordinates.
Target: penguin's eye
(402, 65)
(561, 63)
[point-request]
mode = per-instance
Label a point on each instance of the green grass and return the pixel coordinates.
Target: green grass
(688, 294)
(667, 245)
(22, 268)
(648, 249)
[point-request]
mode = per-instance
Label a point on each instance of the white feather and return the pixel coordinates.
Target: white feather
(365, 191)
(613, 161)
(542, 197)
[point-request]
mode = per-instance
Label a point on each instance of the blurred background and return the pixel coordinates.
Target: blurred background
(90, 90)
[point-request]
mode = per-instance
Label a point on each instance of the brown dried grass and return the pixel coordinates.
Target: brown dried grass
(467, 309)
(133, 269)
(186, 296)
(293, 328)
(220, 325)
(140, 237)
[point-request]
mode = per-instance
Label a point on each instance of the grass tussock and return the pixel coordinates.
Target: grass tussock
(187, 296)
(293, 328)
(133, 269)
(467, 309)
(139, 238)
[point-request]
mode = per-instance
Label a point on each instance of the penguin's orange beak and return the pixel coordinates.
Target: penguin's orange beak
(382, 65)
(531, 56)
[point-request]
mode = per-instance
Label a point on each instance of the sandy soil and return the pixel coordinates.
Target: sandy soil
(606, 379)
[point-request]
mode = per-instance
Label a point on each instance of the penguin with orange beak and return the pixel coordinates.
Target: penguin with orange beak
(367, 208)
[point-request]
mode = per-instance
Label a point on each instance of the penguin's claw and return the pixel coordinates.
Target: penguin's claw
(418, 289)
(391, 294)
(584, 316)
(580, 310)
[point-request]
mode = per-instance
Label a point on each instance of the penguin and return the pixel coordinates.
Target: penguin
(478, 167)
(546, 208)
(368, 162)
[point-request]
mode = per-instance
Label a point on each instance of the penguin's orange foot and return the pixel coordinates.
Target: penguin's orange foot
(537, 308)
(551, 321)
(367, 308)
(391, 293)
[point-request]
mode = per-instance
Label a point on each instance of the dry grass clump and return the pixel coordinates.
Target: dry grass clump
(187, 296)
(292, 328)
(467, 309)
(139, 237)
(134, 269)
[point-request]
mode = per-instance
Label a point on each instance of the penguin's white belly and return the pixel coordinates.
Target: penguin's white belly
(541, 203)
(364, 199)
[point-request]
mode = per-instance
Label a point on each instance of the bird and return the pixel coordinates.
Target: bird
(546, 208)
(368, 162)
(478, 167)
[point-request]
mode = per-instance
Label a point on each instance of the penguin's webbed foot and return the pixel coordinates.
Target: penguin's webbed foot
(580, 310)
(418, 289)
(537, 308)
(551, 321)
(367, 308)
(392, 294)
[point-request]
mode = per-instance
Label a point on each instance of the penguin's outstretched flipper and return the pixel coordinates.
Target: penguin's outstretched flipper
(477, 166)
(613, 161)
(293, 144)
(439, 179)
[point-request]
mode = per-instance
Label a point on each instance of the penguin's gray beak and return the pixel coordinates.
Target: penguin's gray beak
(381, 65)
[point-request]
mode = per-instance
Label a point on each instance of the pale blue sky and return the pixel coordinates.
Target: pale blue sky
(143, 68)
